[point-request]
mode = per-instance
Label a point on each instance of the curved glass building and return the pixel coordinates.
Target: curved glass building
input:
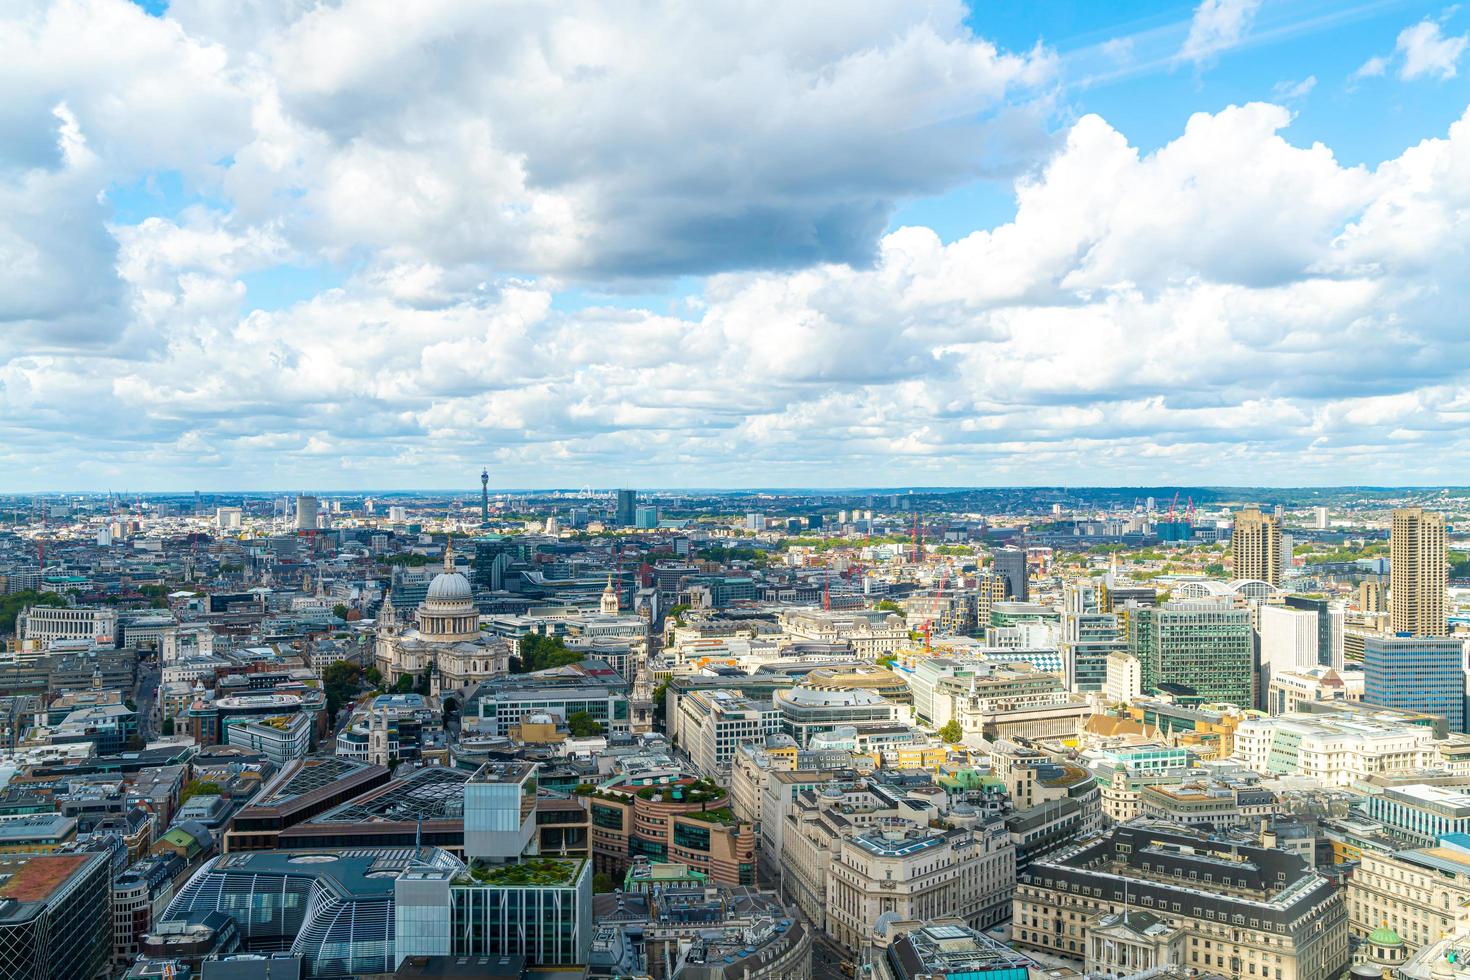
(333, 908)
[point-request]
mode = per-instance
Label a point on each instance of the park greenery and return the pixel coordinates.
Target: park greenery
(11, 605)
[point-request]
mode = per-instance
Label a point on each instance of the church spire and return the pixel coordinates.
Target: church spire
(449, 554)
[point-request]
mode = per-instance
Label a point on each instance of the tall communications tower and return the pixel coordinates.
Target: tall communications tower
(485, 496)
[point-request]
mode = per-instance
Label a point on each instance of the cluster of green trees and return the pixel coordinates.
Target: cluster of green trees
(888, 605)
(539, 652)
(11, 605)
(343, 681)
(583, 725)
(723, 554)
(951, 732)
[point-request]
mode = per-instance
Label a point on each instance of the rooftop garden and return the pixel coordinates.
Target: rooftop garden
(535, 873)
(720, 814)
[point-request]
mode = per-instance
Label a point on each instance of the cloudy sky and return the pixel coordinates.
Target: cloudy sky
(367, 243)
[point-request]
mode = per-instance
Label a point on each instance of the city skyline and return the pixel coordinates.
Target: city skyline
(961, 245)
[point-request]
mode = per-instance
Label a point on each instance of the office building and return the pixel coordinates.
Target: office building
(1124, 678)
(138, 895)
(539, 909)
(1245, 910)
(1010, 564)
(306, 513)
(55, 916)
(626, 509)
(228, 518)
(945, 948)
(1330, 619)
(1421, 814)
(1418, 573)
(711, 725)
(1416, 673)
(685, 821)
(1088, 640)
(1417, 892)
(1255, 546)
(917, 874)
(646, 517)
(1198, 652)
(1289, 639)
(1334, 751)
(332, 908)
(39, 626)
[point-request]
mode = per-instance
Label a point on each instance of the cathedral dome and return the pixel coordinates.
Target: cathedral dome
(450, 587)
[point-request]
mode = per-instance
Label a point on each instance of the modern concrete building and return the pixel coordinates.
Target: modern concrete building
(1255, 546)
(1289, 639)
(1418, 573)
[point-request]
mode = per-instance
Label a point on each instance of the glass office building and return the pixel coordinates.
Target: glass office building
(55, 916)
(539, 908)
(332, 908)
(1416, 673)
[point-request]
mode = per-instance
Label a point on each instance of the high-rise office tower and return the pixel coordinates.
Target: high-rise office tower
(1196, 651)
(306, 511)
(1010, 564)
(1329, 627)
(1416, 673)
(626, 508)
(1417, 573)
(1255, 545)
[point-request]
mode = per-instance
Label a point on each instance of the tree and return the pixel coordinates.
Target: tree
(340, 610)
(537, 651)
(404, 685)
(583, 725)
(341, 680)
(951, 732)
(373, 676)
(168, 726)
(11, 605)
(602, 883)
(888, 605)
(886, 661)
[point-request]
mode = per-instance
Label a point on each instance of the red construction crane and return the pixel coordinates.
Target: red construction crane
(938, 597)
(1172, 504)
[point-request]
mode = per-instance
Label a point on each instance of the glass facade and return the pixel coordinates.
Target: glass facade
(69, 935)
(547, 925)
(1207, 649)
(1416, 673)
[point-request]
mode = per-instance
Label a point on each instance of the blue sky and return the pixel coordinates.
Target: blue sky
(384, 245)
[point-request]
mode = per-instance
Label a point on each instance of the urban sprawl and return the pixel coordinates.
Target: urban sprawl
(1022, 734)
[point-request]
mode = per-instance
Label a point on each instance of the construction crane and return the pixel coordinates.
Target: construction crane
(1173, 504)
(938, 598)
